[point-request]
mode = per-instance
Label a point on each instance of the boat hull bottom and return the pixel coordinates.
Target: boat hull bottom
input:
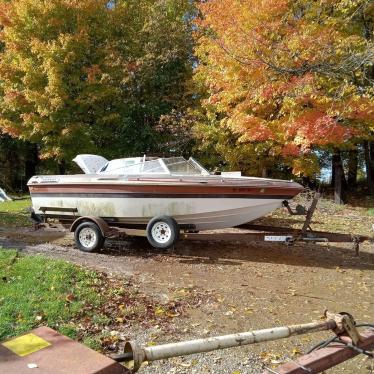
(200, 214)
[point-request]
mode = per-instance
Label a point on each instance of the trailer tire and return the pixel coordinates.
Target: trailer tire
(88, 237)
(162, 232)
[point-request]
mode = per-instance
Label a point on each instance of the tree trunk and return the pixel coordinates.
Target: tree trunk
(339, 178)
(32, 159)
(369, 163)
(332, 183)
(352, 169)
(61, 167)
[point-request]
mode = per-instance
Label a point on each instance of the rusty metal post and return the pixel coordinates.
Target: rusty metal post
(141, 354)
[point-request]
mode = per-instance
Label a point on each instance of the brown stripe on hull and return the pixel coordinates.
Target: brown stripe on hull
(168, 190)
(158, 195)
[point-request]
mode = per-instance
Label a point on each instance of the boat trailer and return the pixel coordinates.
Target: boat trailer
(253, 232)
(345, 344)
(87, 227)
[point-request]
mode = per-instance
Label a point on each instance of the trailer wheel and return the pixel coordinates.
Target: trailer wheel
(162, 232)
(88, 237)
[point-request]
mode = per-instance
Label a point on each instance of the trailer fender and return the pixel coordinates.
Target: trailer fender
(105, 229)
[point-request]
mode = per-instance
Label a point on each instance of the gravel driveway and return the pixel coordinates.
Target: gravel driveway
(245, 287)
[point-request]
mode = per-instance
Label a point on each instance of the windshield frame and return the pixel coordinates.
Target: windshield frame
(165, 164)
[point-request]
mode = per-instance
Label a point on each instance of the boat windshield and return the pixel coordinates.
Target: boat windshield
(164, 166)
(181, 166)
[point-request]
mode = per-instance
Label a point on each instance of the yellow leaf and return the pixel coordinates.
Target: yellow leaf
(159, 311)
(296, 352)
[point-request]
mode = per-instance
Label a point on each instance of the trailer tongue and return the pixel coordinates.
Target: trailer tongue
(341, 324)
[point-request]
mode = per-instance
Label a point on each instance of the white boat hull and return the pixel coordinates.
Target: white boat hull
(204, 213)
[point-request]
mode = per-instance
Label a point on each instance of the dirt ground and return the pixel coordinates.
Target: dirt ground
(243, 286)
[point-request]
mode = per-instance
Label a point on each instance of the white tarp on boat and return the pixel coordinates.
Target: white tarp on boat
(4, 196)
(90, 164)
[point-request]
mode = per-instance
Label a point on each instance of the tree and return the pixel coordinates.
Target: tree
(288, 77)
(369, 161)
(18, 160)
(92, 75)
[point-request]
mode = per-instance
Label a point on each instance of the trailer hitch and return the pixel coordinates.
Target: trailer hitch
(341, 323)
(345, 325)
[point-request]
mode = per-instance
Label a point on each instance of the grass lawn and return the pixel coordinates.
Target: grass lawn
(15, 213)
(82, 304)
(37, 291)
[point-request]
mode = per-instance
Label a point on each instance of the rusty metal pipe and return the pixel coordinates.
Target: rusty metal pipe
(219, 342)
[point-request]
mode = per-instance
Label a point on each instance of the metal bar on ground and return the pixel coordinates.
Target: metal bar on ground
(164, 351)
(325, 358)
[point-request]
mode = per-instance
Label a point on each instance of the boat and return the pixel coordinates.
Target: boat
(4, 196)
(132, 192)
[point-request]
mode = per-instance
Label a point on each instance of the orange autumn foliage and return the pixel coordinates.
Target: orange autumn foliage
(292, 75)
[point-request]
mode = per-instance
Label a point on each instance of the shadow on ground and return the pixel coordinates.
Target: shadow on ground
(323, 255)
(218, 253)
